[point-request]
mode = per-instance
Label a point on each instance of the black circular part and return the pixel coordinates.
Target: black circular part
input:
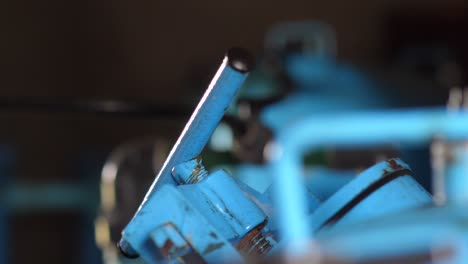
(240, 59)
(127, 250)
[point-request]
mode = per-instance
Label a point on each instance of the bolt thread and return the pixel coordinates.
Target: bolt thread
(254, 244)
(198, 174)
(259, 245)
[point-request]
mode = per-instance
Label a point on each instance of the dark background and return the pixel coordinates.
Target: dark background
(164, 52)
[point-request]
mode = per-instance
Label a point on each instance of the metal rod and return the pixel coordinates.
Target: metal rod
(204, 120)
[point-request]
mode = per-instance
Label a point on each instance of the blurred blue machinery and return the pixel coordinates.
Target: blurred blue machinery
(284, 211)
(287, 209)
(23, 198)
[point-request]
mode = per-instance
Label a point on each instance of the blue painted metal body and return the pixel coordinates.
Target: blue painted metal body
(178, 247)
(397, 191)
(171, 206)
(321, 183)
(231, 211)
(365, 197)
(212, 215)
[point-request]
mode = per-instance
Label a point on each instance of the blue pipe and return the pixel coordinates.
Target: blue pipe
(362, 129)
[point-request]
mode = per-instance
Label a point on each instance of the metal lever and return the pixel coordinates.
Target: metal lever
(227, 81)
(204, 120)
